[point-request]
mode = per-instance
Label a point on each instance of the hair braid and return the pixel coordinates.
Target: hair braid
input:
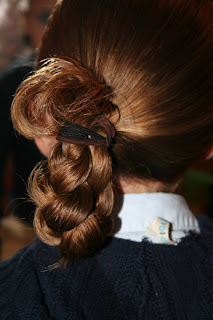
(74, 207)
(72, 189)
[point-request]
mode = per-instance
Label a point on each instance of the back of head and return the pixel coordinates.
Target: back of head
(146, 65)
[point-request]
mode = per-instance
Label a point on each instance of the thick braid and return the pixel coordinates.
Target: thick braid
(73, 189)
(74, 199)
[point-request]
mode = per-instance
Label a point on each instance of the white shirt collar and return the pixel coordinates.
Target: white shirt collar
(139, 210)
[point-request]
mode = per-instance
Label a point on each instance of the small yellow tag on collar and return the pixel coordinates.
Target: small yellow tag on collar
(161, 229)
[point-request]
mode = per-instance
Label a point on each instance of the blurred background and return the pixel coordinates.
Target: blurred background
(22, 23)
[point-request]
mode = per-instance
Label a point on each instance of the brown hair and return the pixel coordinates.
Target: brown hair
(147, 66)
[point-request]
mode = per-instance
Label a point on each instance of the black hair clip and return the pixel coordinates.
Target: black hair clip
(77, 134)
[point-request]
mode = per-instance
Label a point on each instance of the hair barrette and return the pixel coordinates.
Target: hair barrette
(74, 133)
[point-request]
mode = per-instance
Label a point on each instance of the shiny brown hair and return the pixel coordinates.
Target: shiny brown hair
(146, 65)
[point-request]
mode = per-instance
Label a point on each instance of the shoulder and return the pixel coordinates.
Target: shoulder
(15, 264)
(29, 289)
(8, 271)
(206, 231)
(205, 223)
(19, 287)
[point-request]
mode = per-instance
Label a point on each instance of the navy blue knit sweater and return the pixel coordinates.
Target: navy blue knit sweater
(125, 280)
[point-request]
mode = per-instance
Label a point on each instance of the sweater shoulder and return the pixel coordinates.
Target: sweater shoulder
(19, 286)
(11, 271)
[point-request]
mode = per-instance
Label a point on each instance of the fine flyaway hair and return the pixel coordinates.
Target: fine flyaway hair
(146, 66)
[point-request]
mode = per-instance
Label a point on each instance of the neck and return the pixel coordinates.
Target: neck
(148, 186)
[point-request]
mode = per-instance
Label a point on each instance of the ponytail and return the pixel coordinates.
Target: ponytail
(73, 189)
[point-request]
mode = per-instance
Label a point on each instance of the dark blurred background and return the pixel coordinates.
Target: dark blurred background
(22, 23)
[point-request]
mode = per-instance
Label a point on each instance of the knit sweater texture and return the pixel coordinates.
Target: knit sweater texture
(125, 280)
